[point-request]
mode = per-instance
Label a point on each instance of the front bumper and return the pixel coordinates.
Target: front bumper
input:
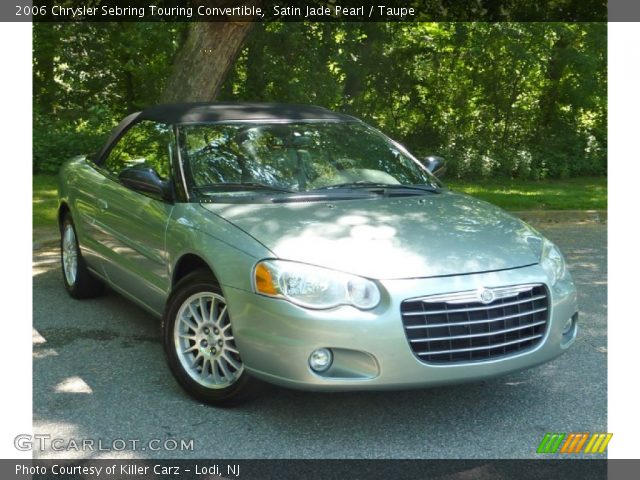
(371, 351)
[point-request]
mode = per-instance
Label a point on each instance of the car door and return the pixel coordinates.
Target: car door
(83, 184)
(133, 223)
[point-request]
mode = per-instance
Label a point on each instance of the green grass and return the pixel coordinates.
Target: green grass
(572, 194)
(45, 201)
(589, 193)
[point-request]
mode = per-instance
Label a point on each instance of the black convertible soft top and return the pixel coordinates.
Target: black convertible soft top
(180, 113)
(220, 112)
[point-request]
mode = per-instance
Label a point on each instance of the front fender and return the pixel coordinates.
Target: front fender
(228, 251)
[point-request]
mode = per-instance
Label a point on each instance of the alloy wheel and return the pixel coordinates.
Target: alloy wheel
(204, 341)
(69, 254)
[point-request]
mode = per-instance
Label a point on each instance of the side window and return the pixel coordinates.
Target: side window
(146, 144)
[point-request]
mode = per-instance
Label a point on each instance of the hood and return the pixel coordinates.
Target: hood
(390, 238)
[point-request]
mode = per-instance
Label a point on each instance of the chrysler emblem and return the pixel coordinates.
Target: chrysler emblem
(486, 295)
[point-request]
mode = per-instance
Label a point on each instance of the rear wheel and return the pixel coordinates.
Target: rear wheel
(200, 345)
(78, 280)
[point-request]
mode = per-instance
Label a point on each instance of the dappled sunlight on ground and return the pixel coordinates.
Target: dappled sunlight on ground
(73, 385)
(44, 261)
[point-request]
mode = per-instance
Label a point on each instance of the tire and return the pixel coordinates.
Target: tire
(78, 280)
(200, 348)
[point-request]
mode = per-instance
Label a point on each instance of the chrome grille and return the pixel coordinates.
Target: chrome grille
(461, 327)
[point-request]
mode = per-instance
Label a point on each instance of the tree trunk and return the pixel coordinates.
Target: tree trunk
(255, 81)
(361, 61)
(204, 60)
(555, 69)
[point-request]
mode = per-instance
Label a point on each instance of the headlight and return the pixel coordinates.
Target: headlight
(552, 262)
(314, 287)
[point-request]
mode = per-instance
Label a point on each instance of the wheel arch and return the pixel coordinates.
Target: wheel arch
(187, 263)
(63, 211)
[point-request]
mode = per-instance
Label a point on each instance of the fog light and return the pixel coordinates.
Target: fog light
(567, 326)
(320, 360)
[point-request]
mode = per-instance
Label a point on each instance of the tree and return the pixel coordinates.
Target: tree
(205, 58)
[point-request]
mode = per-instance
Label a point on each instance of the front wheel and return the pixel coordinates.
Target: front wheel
(199, 343)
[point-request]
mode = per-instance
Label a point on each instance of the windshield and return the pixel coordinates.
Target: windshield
(304, 157)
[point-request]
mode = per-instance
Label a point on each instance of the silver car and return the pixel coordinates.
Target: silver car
(302, 247)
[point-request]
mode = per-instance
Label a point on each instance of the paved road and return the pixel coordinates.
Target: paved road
(99, 373)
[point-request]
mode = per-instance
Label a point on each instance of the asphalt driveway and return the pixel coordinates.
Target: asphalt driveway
(99, 374)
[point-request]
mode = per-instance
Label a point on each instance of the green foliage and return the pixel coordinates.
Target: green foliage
(515, 100)
(54, 142)
(521, 100)
(88, 76)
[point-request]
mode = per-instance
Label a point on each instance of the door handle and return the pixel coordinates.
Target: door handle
(102, 205)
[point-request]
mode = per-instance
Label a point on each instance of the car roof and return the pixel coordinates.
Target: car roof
(218, 112)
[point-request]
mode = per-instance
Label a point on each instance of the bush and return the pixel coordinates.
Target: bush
(55, 142)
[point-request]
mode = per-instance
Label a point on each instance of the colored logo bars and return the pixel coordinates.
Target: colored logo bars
(573, 442)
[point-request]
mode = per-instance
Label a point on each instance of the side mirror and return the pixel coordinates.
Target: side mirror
(436, 165)
(145, 179)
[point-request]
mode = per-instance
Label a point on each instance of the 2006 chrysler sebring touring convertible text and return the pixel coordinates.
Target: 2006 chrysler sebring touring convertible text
(302, 247)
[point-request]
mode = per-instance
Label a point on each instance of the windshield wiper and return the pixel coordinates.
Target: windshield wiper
(383, 186)
(235, 186)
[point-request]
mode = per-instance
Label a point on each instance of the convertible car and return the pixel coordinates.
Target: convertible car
(302, 247)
